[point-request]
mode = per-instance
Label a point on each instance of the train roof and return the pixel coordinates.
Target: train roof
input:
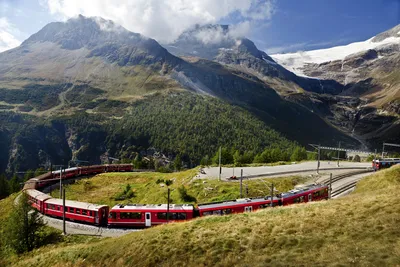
(303, 189)
(161, 207)
(37, 194)
(65, 170)
(236, 202)
(387, 160)
(75, 204)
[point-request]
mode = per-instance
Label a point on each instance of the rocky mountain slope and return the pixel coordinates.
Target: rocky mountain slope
(369, 74)
(76, 82)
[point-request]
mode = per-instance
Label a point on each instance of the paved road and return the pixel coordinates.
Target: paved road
(212, 172)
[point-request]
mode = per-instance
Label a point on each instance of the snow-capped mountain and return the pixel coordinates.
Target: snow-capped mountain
(297, 62)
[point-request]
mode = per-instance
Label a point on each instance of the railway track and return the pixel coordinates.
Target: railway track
(344, 188)
(348, 186)
(345, 175)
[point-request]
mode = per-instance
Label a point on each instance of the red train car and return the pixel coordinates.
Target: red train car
(305, 194)
(378, 164)
(37, 199)
(142, 215)
(77, 211)
(236, 206)
(118, 168)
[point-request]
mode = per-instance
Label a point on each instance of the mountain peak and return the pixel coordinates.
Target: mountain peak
(82, 31)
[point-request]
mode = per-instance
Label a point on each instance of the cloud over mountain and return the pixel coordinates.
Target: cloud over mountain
(7, 38)
(165, 20)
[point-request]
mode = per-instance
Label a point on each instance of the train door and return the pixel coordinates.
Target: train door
(148, 219)
(104, 216)
(96, 217)
(309, 197)
(248, 209)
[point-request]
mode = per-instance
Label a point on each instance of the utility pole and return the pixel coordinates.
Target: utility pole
(383, 150)
(338, 154)
(60, 182)
(63, 198)
(220, 170)
(375, 161)
(330, 186)
(168, 205)
(241, 182)
(319, 157)
(272, 195)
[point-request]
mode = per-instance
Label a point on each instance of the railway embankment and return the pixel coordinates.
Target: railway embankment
(359, 229)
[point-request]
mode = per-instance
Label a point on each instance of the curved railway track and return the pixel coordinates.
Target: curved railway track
(347, 186)
(344, 188)
(345, 175)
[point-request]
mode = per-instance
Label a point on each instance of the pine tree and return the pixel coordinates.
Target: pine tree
(4, 188)
(178, 163)
(23, 228)
(14, 185)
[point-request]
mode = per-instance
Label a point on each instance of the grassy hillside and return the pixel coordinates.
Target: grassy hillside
(104, 188)
(358, 230)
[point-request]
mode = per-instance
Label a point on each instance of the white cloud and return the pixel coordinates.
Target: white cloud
(216, 35)
(163, 20)
(7, 35)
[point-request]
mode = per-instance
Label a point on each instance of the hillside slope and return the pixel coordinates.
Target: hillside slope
(360, 229)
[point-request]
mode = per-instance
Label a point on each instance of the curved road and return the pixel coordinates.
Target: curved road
(271, 171)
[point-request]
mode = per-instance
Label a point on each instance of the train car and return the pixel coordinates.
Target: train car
(236, 206)
(37, 199)
(378, 164)
(305, 194)
(118, 168)
(39, 181)
(77, 211)
(66, 173)
(142, 215)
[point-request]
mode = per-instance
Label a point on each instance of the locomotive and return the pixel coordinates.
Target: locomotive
(147, 215)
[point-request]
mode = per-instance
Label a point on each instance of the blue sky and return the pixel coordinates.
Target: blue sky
(275, 25)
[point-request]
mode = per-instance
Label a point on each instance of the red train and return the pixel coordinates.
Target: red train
(52, 177)
(145, 215)
(378, 164)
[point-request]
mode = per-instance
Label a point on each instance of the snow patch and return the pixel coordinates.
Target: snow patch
(269, 61)
(188, 83)
(295, 62)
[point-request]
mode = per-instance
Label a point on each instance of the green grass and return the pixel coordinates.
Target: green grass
(361, 229)
(103, 188)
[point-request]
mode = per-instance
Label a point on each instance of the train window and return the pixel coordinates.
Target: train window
(217, 212)
(112, 215)
(130, 215)
(227, 211)
(84, 212)
(77, 211)
(163, 215)
(206, 213)
(180, 216)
